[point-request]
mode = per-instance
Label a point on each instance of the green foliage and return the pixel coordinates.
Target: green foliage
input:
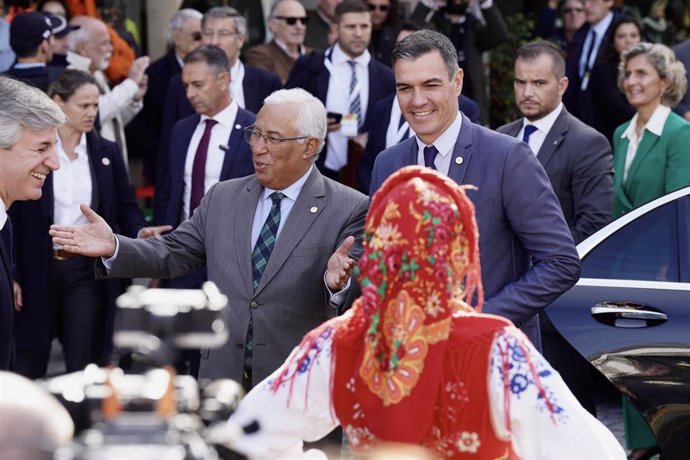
(502, 100)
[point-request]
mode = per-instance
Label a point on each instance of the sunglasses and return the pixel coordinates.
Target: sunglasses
(573, 10)
(383, 8)
(292, 20)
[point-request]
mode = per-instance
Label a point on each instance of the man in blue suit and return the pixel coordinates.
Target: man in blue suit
(344, 73)
(389, 126)
(205, 74)
(224, 27)
(528, 256)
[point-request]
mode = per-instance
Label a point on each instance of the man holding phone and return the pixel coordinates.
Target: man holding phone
(349, 81)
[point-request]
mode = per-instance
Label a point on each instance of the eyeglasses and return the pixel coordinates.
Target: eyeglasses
(223, 33)
(292, 20)
(573, 10)
(252, 136)
(382, 8)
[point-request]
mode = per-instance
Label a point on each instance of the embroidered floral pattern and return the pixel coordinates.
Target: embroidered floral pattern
(393, 360)
(468, 442)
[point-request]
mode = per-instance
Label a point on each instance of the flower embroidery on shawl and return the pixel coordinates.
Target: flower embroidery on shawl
(359, 437)
(468, 442)
(393, 360)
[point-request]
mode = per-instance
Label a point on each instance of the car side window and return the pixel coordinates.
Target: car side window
(644, 249)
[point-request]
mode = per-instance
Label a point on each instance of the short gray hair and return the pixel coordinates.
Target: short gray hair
(664, 61)
(311, 114)
(426, 41)
(221, 12)
(179, 19)
(25, 107)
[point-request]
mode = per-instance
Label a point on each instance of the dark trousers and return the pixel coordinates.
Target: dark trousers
(77, 311)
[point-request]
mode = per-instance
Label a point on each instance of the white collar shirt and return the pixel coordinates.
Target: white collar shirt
(338, 98)
(263, 207)
(236, 79)
(72, 184)
(655, 125)
(543, 125)
(215, 156)
(444, 144)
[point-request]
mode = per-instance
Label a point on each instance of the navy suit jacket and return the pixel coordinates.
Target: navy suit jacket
(527, 254)
(237, 163)
(112, 199)
(312, 75)
(6, 306)
(580, 102)
(579, 163)
(376, 142)
(257, 84)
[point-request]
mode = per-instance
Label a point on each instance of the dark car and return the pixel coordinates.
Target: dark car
(629, 314)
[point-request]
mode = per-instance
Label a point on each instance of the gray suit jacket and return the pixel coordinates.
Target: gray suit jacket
(527, 254)
(291, 298)
(579, 164)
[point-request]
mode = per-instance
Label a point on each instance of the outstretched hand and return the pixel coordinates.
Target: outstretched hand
(340, 266)
(94, 239)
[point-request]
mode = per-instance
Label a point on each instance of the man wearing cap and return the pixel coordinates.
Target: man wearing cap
(60, 44)
(31, 39)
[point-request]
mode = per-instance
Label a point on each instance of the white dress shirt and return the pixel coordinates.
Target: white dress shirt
(543, 125)
(3, 214)
(655, 125)
(236, 79)
(72, 184)
(220, 133)
(338, 98)
(444, 144)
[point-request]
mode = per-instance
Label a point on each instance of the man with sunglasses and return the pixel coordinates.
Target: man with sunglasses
(288, 23)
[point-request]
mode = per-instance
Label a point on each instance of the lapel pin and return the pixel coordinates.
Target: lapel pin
(105, 161)
(313, 209)
(238, 126)
(458, 160)
(555, 142)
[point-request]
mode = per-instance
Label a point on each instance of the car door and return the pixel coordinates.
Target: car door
(629, 314)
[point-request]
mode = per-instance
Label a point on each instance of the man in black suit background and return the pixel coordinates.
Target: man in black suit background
(578, 161)
(184, 34)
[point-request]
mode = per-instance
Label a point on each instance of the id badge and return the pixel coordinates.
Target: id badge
(349, 125)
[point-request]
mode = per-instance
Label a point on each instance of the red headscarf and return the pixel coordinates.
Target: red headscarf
(405, 354)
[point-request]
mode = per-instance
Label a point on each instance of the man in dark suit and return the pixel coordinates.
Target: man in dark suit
(578, 161)
(31, 37)
(589, 42)
(320, 33)
(184, 34)
(224, 27)
(682, 51)
(300, 225)
(576, 157)
(206, 76)
(527, 254)
(29, 121)
(347, 80)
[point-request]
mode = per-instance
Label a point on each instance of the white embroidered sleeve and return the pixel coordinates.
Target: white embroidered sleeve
(544, 419)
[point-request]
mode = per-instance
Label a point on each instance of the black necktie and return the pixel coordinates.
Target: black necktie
(6, 239)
